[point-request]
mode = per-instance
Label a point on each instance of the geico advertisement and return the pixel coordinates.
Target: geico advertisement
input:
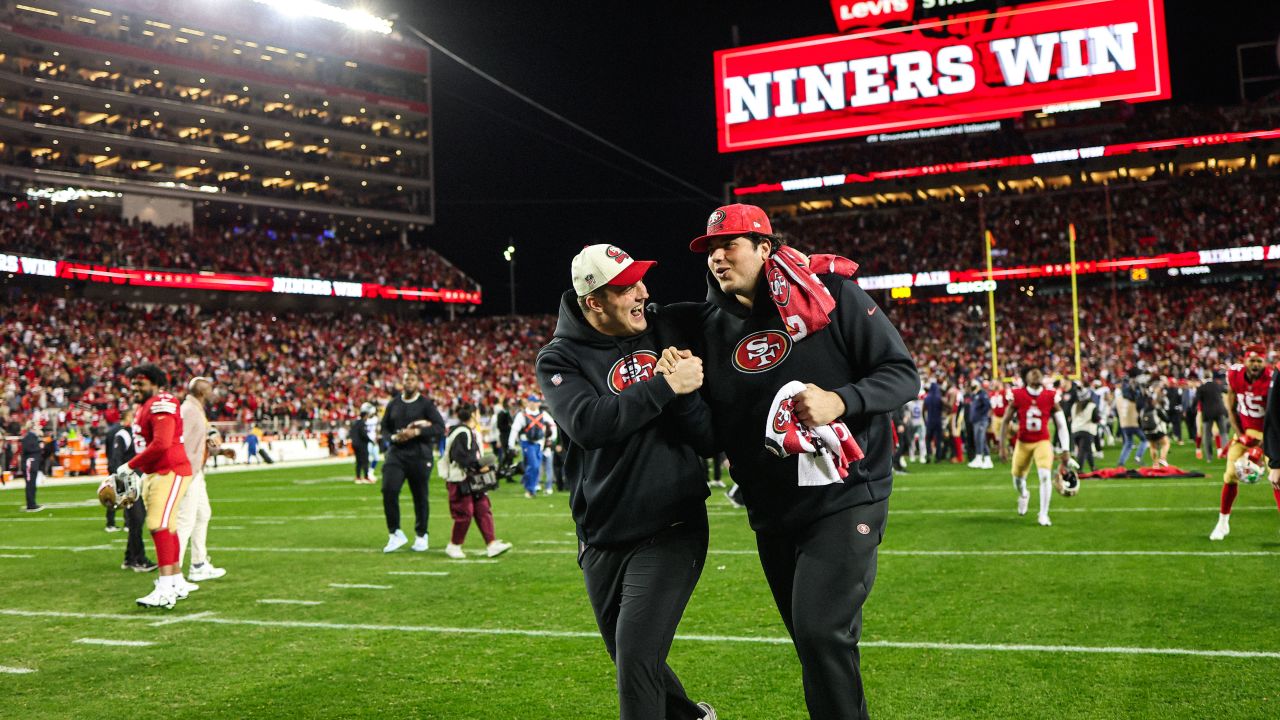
(941, 72)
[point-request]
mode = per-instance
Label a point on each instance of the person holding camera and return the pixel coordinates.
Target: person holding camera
(468, 477)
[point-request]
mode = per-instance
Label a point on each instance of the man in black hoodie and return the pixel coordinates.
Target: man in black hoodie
(817, 543)
(637, 484)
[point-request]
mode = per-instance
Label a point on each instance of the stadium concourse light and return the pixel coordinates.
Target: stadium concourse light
(510, 256)
(354, 19)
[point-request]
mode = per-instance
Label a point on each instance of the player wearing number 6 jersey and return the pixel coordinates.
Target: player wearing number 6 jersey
(1247, 388)
(1031, 410)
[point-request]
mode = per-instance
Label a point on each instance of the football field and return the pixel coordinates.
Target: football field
(1122, 609)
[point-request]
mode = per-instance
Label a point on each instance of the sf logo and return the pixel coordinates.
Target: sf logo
(632, 369)
(617, 254)
(779, 287)
(761, 351)
(782, 418)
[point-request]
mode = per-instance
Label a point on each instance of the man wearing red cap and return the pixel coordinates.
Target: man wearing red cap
(774, 316)
(1247, 388)
(633, 462)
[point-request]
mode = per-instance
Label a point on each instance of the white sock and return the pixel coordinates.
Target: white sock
(1046, 491)
(1224, 519)
(167, 582)
(1020, 485)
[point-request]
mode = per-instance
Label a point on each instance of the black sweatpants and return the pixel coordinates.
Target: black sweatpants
(30, 472)
(135, 518)
(820, 576)
(638, 592)
(1084, 450)
(362, 460)
(414, 466)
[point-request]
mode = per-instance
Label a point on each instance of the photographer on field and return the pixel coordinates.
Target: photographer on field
(464, 470)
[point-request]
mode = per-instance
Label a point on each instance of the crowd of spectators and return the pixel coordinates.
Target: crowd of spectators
(1194, 212)
(1175, 331)
(1110, 124)
(64, 360)
(60, 233)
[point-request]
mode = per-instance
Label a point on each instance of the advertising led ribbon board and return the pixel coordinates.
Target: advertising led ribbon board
(979, 66)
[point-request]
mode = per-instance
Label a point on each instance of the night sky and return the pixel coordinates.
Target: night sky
(640, 74)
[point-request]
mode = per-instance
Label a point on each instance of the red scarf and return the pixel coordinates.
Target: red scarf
(802, 300)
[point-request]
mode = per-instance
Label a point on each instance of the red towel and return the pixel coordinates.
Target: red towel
(802, 300)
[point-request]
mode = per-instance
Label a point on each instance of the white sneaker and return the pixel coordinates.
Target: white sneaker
(162, 598)
(708, 712)
(420, 545)
(986, 463)
(1222, 530)
(716, 483)
(1023, 500)
(396, 541)
(455, 552)
(205, 571)
(551, 491)
(497, 547)
(1044, 520)
(975, 463)
(182, 588)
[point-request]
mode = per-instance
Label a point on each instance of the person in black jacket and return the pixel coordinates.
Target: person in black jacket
(32, 462)
(414, 425)
(120, 450)
(462, 448)
(817, 544)
(360, 444)
(1271, 434)
(637, 486)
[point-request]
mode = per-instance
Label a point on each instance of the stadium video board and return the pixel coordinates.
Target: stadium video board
(941, 71)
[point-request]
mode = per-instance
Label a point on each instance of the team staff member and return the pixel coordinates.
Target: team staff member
(415, 426)
(360, 441)
(120, 451)
(195, 512)
(817, 544)
(1271, 439)
(637, 486)
(32, 455)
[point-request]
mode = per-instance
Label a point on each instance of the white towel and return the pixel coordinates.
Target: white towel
(825, 452)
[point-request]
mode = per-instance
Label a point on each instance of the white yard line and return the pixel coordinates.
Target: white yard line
(16, 557)
(417, 572)
(358, 586)
(593, 635)
(277, 601)
(181, 619)
(114, 643)
(10, 670)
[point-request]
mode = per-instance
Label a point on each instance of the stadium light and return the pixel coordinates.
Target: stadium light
(510, 256)
(354, 19)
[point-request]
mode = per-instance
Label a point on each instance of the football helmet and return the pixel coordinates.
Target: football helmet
(366, 409)
(1067, 482)
(121, 489)
(1249, 468)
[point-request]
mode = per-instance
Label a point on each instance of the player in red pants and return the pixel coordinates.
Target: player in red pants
(1247, 388)
(161, 472)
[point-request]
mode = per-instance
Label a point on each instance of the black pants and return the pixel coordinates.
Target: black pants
(820, 576)
(1084, 449)
(111, 517)
(416, 468)
(362, 460)
(135, 518)
(638, 592)
(31, 471)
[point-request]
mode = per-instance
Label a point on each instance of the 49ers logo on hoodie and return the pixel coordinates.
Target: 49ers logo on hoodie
(634, 368)
(761, 351)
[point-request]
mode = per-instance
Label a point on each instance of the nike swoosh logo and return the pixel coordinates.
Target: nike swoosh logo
(871, 311)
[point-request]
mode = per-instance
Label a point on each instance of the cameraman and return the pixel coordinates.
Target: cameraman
(414, 425)
(461, 460)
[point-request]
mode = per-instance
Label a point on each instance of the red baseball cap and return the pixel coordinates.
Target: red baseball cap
(1256, 350)
(732, 221)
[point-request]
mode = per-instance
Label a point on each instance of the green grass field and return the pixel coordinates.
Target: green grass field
(1123, 609)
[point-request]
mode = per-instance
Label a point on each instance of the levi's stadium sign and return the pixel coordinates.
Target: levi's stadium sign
(979, 66)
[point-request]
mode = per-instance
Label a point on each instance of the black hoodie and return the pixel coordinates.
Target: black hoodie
(748, 356)
(632, 461)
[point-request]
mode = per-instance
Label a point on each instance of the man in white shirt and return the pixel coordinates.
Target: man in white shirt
(194, 510)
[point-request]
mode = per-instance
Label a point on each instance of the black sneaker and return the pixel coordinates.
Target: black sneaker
(144, 566)
(37, 508)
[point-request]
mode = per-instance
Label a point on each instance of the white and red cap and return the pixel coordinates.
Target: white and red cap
(733, 221)
(600, 265)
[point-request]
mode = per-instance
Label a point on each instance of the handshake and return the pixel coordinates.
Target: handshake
(682, 369)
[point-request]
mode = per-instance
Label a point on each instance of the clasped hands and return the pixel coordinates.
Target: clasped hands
(813, 406)
(410, 431)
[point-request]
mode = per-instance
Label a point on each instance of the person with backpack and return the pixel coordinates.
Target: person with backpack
(459, 464)
(1154, 420)
(1085, 417)
(532, 429)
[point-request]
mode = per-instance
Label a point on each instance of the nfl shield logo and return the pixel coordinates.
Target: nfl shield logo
(556, 379)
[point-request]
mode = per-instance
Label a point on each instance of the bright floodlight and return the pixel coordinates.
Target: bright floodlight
(354, 19)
